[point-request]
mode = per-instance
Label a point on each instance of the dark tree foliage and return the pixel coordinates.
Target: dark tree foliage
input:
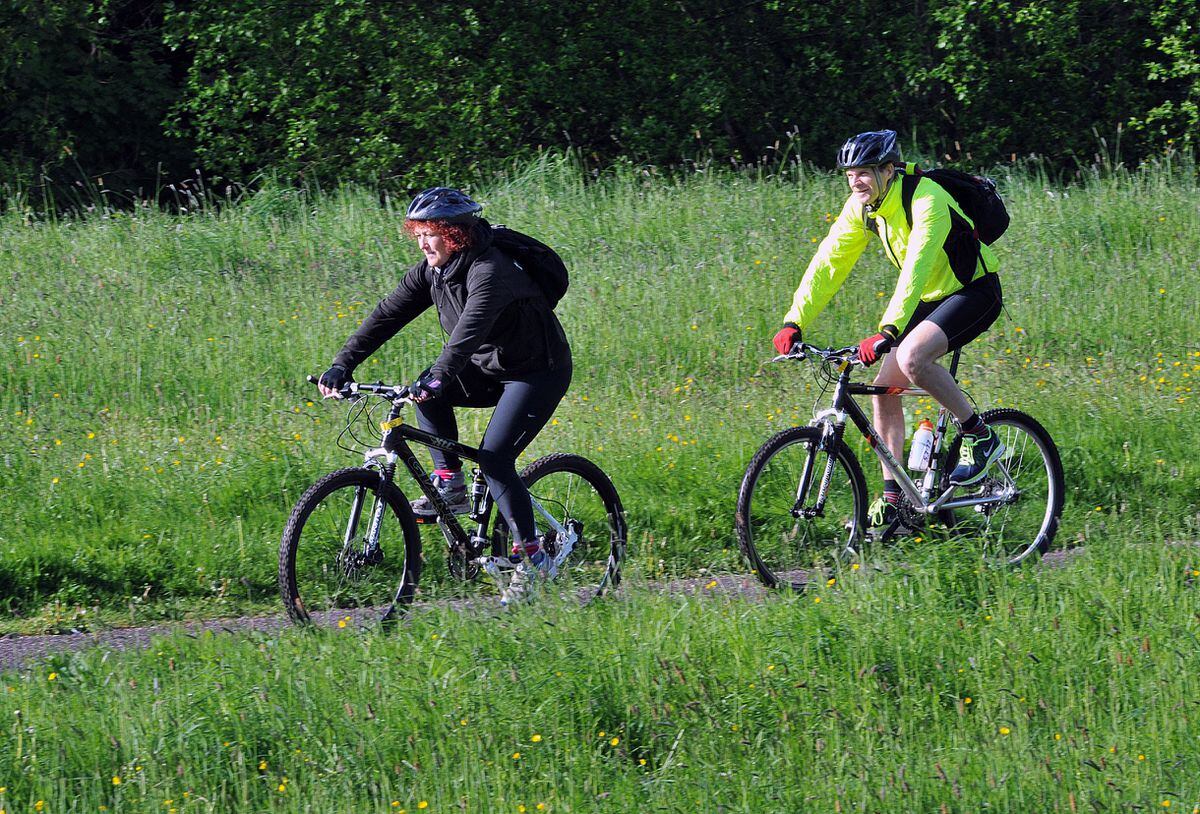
(84, 88)
(401, 93)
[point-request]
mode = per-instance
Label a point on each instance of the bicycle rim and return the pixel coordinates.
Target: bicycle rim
(1026, 484)
(333, 572)
(781, 530)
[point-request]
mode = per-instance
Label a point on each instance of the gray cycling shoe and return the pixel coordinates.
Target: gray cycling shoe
(531, 573)
(453, 490)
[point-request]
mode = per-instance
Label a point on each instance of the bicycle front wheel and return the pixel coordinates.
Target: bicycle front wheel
(342, 560)
(786, 522)
(580, 522)
(1023, 489)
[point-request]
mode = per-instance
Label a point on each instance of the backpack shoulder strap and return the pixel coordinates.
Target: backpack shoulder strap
(869, 221)
(908, 188)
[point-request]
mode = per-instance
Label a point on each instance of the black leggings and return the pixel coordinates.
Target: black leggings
(523, 406)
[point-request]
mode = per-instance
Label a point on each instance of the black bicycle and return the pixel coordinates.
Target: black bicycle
(343, 561)
(803, 499)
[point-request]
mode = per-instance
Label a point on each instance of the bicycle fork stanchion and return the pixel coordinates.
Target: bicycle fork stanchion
(830, 439)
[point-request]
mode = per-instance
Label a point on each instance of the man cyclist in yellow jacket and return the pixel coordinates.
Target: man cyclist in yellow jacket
(948, 293)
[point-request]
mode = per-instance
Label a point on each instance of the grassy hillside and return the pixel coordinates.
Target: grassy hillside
(156, 427)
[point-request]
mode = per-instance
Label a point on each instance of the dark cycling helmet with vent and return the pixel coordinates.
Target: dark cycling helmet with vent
(443, 203)
(869, 150)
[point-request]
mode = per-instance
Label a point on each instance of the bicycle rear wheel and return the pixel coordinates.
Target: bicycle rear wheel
(580, 521)
(782, 527)
(342, 561)
(1025, 485)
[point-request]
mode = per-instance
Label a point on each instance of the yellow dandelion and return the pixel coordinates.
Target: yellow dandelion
(829, 583)
(1004, 730)
(536, 739)
(1057, 736)
(816, 599)
(516, 756)
(52, 677)
(116, 781)
(854, 567)
(423, 804)
(614, 741)
(262, 765)
(967, 700)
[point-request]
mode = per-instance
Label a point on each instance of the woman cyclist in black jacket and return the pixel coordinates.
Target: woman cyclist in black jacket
(506, 349)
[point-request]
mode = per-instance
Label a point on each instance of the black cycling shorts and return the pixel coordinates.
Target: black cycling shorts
(963, 315)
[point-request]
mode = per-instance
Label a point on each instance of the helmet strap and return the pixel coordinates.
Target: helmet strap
(877, 172)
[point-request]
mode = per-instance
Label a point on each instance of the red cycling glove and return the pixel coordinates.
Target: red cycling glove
(788, 335)
(874, 346)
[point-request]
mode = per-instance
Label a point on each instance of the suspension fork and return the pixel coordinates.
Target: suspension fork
(833, 425)
(375, 523)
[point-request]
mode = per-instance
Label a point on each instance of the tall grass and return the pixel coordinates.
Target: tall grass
(156, 427)
(933, 686)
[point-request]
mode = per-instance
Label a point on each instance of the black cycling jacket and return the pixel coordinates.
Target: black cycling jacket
(496, 315)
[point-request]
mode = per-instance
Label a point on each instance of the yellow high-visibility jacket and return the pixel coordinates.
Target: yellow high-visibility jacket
(922, 253)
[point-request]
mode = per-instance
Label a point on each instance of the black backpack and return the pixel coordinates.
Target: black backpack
(979, 201)
(976, 195)
(537, 259)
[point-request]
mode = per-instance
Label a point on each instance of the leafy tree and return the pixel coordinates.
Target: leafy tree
(86, 84)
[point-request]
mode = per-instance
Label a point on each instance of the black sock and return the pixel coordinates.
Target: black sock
(891, 491)
(974, 425)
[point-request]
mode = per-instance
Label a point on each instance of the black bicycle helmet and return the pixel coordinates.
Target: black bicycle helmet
(443, 203)
(869, 150)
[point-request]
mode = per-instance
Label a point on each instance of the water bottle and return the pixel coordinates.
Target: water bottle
(922, 446)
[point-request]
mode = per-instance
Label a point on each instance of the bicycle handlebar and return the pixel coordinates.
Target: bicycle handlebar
(802, 350)
(352, 390)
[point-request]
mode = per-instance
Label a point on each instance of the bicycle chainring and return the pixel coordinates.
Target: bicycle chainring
(462, 566)
(909, 516)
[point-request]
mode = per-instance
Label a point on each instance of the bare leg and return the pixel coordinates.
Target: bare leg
(889, 414)
(916, 358)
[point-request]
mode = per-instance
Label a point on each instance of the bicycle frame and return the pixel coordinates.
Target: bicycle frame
(394, 447)
(923, 496)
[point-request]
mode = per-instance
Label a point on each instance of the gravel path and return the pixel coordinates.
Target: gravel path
(17, 652)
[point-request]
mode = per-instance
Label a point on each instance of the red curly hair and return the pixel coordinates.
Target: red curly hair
(456, 235)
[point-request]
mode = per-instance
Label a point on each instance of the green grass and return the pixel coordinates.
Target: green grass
(156, 430)
(924, 687)
(156, 426)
